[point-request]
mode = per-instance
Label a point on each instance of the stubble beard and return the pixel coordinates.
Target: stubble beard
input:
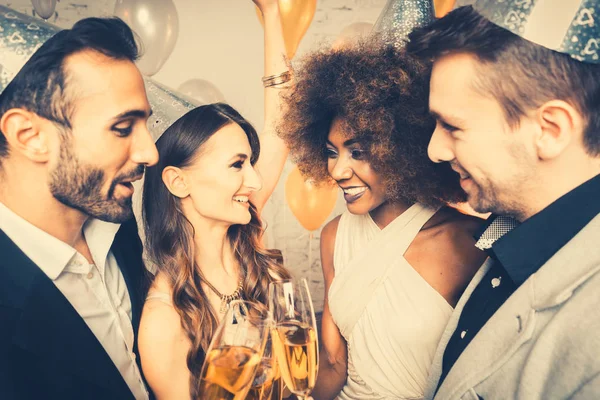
(79, 186)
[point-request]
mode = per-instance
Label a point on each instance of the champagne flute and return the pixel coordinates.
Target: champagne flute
(267, 381)
(235, 352)
(278, 387)
(294, 335)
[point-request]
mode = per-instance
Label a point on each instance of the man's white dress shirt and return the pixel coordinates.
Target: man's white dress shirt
(97, 291)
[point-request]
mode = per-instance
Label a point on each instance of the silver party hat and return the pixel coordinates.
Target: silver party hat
(568, 26)
(399, 17)
(20, 37)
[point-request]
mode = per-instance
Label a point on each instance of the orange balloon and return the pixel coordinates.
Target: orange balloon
(443, 7)
(296, 16)
(310, 204)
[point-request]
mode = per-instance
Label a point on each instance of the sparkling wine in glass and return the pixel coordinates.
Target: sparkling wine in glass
(294, 335)
(235, 352)
(266, 385)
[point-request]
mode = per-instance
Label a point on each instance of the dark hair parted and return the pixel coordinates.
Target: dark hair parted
(380, 94)
(519, 74)
(170, 235)
(41, 85)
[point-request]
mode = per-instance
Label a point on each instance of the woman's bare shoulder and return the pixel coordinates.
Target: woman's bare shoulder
(330, 230)
(455, 227)
(163, 346)
(160, 320)
(446, 251)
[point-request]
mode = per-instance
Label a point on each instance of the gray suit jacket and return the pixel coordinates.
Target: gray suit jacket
(543, 343)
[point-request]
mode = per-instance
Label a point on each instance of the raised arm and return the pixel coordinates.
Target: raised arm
(333, 360)
(273, 151)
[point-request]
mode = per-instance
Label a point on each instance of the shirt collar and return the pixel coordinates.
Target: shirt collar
(100, 236)
(526, 248)
(50, 254)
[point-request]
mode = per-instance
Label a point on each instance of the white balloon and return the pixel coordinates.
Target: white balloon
(157, 25)
(352, 33)
(44, 8)
(202, 91)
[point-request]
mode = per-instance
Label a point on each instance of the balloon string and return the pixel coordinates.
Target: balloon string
(310, 239)
(284, 234)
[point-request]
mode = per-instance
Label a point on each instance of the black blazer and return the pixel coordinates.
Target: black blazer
(46, 349)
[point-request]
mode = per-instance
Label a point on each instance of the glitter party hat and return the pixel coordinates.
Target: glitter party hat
(400, 17)
(568, 26)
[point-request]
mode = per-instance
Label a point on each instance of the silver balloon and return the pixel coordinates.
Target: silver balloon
(21, 35)
(202, 91)
(157, 25)
(44, 8)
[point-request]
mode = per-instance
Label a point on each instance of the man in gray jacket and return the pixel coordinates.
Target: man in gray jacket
(515, 90)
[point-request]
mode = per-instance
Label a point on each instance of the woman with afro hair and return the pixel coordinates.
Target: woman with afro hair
(397, 261)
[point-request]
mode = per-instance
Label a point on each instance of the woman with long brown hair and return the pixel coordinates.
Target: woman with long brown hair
(201, 211)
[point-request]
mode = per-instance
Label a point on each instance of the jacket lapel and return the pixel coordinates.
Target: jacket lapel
(435, 370)
(127, 249)
(509, 328)
(50, 327)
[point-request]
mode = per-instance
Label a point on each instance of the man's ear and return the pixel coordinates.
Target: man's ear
(560, 124)
(24, 135)
(176, 181)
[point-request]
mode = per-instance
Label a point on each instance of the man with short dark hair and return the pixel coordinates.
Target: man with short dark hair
(515, 90)
(73, 139)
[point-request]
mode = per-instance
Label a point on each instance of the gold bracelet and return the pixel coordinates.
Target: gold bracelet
(283, 74)
(274, 80)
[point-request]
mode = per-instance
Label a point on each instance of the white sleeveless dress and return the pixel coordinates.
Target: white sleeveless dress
(391, 318)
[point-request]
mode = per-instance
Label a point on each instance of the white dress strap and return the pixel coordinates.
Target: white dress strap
(159, 296)
(417, 217)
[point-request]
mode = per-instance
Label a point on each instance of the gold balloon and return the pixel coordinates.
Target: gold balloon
(310, 204)
(443, 7)
(296, 16)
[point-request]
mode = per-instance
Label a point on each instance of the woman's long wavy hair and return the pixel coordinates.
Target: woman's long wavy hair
(170, 235)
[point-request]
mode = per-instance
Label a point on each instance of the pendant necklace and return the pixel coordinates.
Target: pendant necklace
(225, 298)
